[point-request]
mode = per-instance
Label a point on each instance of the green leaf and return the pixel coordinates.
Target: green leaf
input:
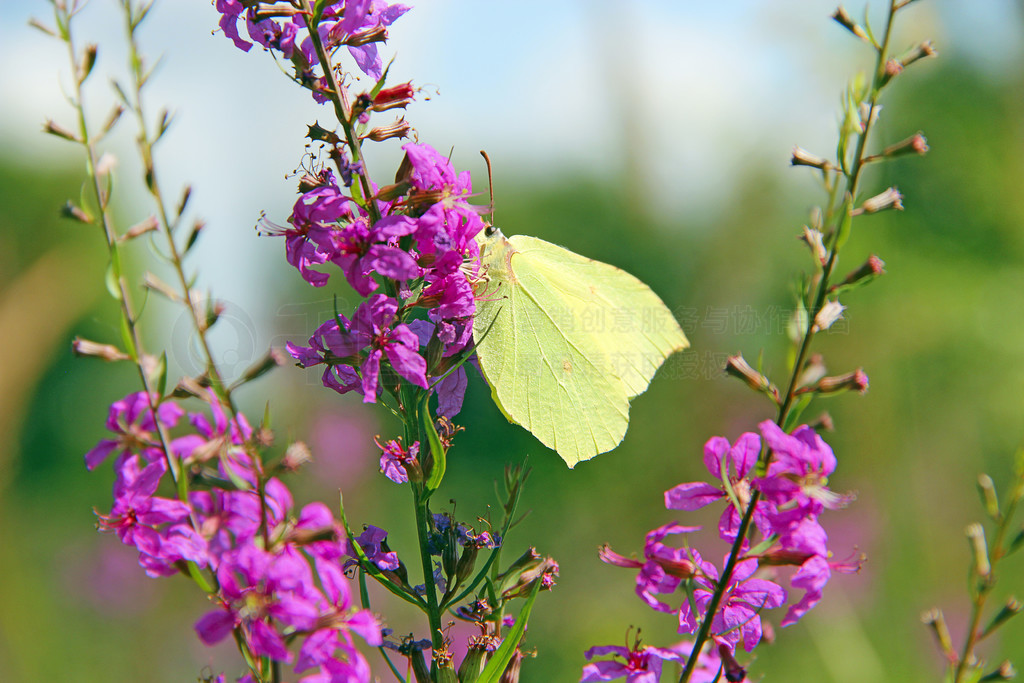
(128, 339)
(110, 280)
(795, 411)
(843, 233)
(380, 83)
(160, 374)
(436, 447)
(496, 666)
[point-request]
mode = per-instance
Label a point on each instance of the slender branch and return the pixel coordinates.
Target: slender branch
(166, 223)
(63, 17)
(823, 287)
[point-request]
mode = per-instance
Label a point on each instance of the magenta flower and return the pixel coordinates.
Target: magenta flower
(797, 478)
(395, 460)
(334, 630)
(730, 464)
(132, 421)
(373, 543)
(371, 328)
(451, 222)
(663, 568)
(737, 617)
(314, 218)
(641, 664)
(156, 526)
(258, 588)
(360, 250)
(373, 322)
(230, 11)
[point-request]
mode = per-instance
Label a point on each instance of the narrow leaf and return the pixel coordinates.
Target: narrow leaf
(128, 339)
(496, 666)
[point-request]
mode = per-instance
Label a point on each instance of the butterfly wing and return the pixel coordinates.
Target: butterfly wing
(565, 342)
(620, 321)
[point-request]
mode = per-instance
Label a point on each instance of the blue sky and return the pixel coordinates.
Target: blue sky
(699, 90)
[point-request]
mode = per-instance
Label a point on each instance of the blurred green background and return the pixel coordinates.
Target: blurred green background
(941, 337)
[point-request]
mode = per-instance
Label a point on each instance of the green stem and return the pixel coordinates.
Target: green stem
(423, 531)
(167, 225)
(341, 111)
(996, 553)
(823, 287)
(64, 17)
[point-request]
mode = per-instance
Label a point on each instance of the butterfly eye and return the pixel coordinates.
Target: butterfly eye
(490, 230)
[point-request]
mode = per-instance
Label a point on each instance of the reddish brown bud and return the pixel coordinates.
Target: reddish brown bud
(398, 129)
(738, 367)
(871, 269)
(398, 96)
(920, 51)
(856, 380)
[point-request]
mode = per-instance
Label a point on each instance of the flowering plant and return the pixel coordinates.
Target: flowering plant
(200, 492)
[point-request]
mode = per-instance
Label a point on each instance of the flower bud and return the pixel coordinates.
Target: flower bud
(830, 312)
(419, 667)
(467, 562)
(890, 199)
(398, 129)
(976, 537)
(893, 68)
(937, 622)
(270, 360)
(79, 214)
(856, 380)
(53, 128)
(376, 34)
(847, 22)
(525, 571)
(734, 673)
(87, 63)
(987, 489)
(107, 352)
(295, 456)
(813, 370)
(801, 157)
(1005, 672)
(511, 672)
(737, 366)
(397, 97)
(915, 144)
(816, 243)
(919, 51)
(473, 663)
(823, 423)
(868, 115)
(1011, 609)
(870, 270)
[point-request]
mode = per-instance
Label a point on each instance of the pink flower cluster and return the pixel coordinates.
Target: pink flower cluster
(790, 498)
(422, 247)
(356, 24)
(277, 575)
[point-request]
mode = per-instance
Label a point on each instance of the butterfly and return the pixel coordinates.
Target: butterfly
(565, 341)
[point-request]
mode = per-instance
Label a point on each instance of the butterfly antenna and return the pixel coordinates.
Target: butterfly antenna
(490, 182)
